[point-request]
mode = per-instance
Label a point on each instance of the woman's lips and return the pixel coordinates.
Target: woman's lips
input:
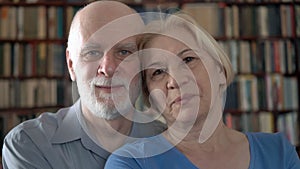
(182, 99)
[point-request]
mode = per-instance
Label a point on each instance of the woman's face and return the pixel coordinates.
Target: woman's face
(179, 79)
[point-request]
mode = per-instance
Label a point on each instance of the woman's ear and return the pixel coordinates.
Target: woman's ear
(70, 65)
(222, 78)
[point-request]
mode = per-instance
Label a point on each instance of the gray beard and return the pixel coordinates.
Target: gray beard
(100, 109)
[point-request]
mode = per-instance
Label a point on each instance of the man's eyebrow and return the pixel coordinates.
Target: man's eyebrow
(90, 45)
(87, 47)
(127, 45)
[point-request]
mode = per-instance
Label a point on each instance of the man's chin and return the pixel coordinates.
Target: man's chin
(107, 115)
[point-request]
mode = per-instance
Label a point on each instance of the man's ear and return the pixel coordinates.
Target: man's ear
(70, 65)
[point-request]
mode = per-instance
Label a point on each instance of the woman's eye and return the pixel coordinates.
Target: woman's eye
(188, 59)
(157, 72)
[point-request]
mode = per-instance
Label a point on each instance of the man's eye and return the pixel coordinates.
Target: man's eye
(92, 55)
(125, 52)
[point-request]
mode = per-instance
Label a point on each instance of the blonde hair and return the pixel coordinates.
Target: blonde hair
(182, 20)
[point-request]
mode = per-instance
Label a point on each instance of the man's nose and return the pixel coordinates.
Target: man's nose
(107, 65)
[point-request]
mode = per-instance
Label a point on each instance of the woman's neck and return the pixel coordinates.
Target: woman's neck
(191, 139)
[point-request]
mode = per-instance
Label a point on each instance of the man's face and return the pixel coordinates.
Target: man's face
(103, 80)
(107, 70)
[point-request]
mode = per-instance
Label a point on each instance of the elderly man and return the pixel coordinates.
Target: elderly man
(101, 59)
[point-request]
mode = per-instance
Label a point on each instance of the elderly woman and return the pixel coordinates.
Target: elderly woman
(185, 75)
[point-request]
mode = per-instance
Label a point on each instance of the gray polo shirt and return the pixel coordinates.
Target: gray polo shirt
(57, 140)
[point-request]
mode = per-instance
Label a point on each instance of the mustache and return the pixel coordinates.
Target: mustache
(102, 81)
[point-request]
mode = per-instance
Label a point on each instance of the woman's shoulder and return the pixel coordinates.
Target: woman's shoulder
(271, 150)
(267, 138)
(144, 147)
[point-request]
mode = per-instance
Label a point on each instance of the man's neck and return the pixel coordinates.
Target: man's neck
(104, 131)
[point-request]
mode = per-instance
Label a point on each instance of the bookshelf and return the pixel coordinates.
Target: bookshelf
(33, 73)
(262, 40)
(265, 52)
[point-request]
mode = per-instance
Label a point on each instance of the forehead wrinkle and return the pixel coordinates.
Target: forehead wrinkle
(155, 65)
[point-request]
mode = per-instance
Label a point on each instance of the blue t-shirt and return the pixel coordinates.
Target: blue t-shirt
(267, 151)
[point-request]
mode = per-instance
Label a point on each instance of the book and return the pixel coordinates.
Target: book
(209, 16)
(266, 122)
(30, 28)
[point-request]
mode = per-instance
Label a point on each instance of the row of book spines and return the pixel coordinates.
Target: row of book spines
(31, 93)
(30, 22)
(266, 122)
(246, 21)
(27, 59)
(262, 56)
(49, 22)
(143, 2)
(272, 92)
(47, 1)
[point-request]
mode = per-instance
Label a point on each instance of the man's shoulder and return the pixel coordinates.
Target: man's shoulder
(44, 125)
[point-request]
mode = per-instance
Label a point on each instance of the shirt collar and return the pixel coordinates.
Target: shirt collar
(68, 128)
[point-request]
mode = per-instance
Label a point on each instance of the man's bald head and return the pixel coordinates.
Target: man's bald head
(95, 16)
(101, 46)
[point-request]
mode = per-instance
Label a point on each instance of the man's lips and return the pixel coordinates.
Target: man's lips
(109, 89)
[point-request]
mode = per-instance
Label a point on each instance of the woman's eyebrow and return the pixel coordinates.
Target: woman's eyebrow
(153, 65)
(183, 51)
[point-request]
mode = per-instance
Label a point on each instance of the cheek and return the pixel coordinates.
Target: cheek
(129, 71)
(158, 100)
(203, 82)
(135, 85)
(85, 71)
(158, 85)
(157, 94)
(204, 86)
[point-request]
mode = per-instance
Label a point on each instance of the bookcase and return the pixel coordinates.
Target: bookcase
(33, 73)
(262, 41)
(261, 37)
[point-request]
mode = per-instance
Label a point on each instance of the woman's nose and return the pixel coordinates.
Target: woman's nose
(172, 83)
